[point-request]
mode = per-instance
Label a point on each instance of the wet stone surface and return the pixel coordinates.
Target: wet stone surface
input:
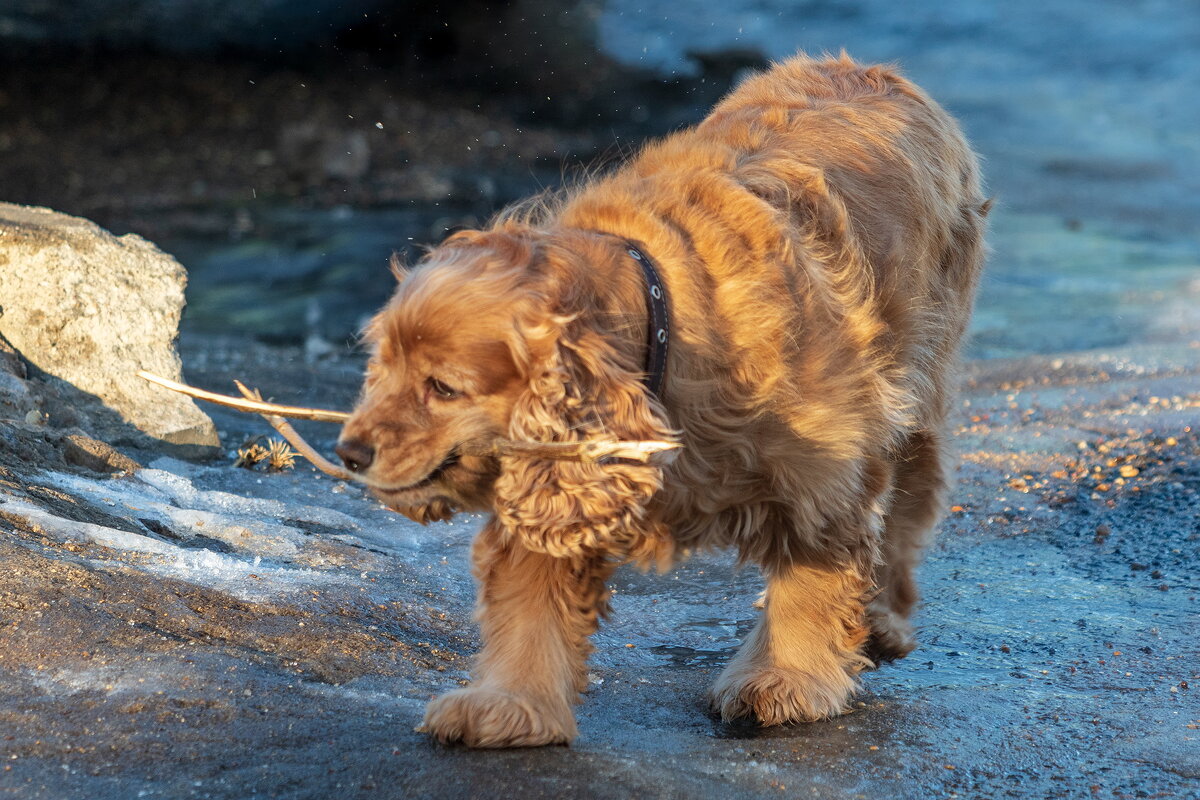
(205, 631)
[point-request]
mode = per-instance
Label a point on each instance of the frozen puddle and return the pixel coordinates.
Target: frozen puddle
(169, 504)
(234, 544)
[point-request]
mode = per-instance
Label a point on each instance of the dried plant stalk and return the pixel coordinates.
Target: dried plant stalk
(250, 455)
(280, 456)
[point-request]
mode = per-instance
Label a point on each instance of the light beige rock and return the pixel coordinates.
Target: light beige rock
(87, 310)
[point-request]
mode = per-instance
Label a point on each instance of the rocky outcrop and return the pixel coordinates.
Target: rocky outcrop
(85, 310)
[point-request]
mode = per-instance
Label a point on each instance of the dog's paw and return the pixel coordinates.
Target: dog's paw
(484, 717)
(775, 696)
(439, 509)
(891, 636)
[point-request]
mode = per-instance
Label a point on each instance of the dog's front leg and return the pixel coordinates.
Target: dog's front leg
(799, 662)
(536, 613)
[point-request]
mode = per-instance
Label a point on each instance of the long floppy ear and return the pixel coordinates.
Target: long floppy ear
(582, 391)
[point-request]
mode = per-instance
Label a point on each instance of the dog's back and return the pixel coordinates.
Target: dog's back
(898, 165)
(822, 231)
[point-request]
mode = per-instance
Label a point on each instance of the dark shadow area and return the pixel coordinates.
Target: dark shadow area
(448, 111)
(71, 416)
(285, 177)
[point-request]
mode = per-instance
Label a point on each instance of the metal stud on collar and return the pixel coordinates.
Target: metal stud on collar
(659, 328)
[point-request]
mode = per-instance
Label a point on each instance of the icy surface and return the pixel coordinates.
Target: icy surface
(247, 641)
(244, 574)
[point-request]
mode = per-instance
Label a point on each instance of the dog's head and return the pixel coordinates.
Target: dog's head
(517, 334)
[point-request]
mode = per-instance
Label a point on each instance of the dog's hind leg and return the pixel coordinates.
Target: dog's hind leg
(917, 501)
(536, 613)
(799, 662)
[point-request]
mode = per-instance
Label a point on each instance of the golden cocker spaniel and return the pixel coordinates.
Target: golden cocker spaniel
(818, 239)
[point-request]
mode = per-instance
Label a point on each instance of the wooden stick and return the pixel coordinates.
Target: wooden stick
(590, 452)
(654, 452)
(254, 406)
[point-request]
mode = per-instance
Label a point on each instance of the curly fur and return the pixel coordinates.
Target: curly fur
(566, 508)
(820, 235)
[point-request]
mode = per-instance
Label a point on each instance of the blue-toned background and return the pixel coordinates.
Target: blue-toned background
(283, 151)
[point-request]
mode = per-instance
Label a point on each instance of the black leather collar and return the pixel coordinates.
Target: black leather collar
(659, 324)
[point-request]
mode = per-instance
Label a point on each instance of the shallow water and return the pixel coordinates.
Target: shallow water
(1050, 286)
(1080, 116)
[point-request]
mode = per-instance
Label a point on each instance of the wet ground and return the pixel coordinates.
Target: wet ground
(280, 638)
(213, 632)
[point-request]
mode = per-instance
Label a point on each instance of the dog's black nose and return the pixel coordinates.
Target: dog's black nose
(356, 455)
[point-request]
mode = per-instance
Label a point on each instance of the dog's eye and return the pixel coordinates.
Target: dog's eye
(443, 390)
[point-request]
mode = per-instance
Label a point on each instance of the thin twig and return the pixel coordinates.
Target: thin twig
(254, 406)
